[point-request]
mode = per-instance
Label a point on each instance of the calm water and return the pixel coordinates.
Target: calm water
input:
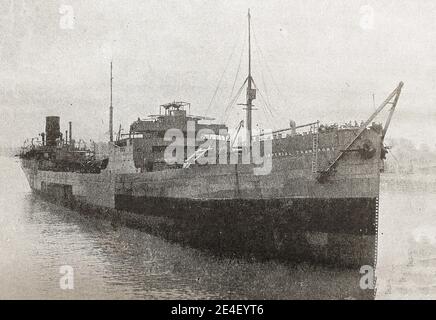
(37, 238)
(407, 252)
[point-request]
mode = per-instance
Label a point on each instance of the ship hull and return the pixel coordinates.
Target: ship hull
(284, 214)
(338, 232)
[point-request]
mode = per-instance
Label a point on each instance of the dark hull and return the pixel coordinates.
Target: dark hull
(286, 230)
(339, 232)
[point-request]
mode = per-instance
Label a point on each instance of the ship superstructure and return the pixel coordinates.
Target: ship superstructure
(318, 201)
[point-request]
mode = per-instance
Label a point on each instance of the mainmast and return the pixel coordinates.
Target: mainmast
(251, 94)
(111, 115)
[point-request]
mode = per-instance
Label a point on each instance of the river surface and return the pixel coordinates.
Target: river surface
(37, 239)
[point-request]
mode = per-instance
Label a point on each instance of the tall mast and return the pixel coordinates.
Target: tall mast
(111, 115)
(251, 94)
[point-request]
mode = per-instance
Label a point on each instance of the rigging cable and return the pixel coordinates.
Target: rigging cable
(265, 87)
(234, 100)
(263, 99)
(239, 66)
(268, 68)
(268, 100)
(395, 158)
(231, 98)
(222, 76)
(265, 107)
(272, 118)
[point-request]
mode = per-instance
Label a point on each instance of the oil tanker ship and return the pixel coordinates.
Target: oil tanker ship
(318, 201)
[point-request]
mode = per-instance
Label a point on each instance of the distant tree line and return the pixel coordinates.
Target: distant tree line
(405, 157)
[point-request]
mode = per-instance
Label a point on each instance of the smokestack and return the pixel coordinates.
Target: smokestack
(70, 137)
(52, 130)
(66, 136)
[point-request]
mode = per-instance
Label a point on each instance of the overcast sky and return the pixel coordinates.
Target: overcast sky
(311, 60)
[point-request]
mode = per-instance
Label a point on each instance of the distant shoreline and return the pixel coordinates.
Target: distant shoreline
(408, 182)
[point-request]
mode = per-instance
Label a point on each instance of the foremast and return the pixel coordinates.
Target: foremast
(251, 93)
(111, 114)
